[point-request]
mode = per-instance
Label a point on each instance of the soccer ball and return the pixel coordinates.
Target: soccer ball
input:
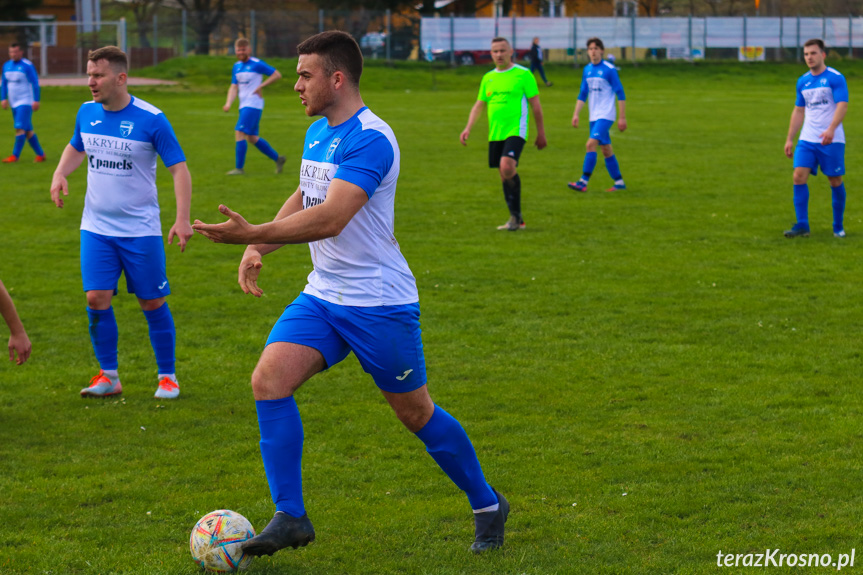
(216, 539)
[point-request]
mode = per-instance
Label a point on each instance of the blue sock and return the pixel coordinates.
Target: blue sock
(801, 203)
(104, 335)
(838, 207)
(282, 452)
(266, 149)
(163, 337)
(613, 168)
(19, 145)
(589, 165)
(449, 445)
(34, 143)
(240, 151)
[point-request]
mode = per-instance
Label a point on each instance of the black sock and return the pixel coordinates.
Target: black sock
(512, 193)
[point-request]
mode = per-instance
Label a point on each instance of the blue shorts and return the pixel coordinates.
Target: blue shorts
(249, 121)
(599, 131)
(141, 259)
(23, 118)
(810, 155)
(385, 339)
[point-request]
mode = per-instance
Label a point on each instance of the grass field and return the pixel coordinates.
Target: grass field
(650, 376)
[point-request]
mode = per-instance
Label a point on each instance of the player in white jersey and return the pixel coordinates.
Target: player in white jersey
(600, 85)
(121, 137)
(361, 296)
(247, 81)
(820, 107)
(20, 91)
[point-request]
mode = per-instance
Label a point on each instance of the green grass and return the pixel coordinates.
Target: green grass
(650, 377)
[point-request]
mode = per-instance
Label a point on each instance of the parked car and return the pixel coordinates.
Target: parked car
(471, 57)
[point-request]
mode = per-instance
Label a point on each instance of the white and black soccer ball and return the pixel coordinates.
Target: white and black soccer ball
(216, 541)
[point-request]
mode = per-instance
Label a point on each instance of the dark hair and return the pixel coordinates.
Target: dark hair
(596, 41)
(499, 39)
(339, 52)
(816, 42)
(115, 57)
(16, 45)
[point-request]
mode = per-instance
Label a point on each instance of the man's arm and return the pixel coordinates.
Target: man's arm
(621, 114)
(69, 162)
(475, 112)
(797, 117)
(251, 264)
(839, 115)
(183, 191)
(4, 91)
(274, 77)
(18, 341)
(232, 95)
(540, 125)
(579, 104)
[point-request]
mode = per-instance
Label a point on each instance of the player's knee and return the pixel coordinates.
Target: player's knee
(98, 300)
(591, 145)
(835, 181)
(252, 139)
(800, 178)
(607, 151)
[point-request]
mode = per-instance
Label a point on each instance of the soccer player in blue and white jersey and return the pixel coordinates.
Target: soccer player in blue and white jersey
(247, 81)
(600, 84)
(20, 91)
(822, 101)
(120, 137)
(361, 296)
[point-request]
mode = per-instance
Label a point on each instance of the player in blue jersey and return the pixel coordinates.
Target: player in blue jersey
(361, 296)
(20, 91)
(600, 84)
(120, 137)
(247, 81)
(822, 101)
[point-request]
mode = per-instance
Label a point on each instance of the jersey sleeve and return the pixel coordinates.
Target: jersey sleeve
(528, 82)
(840, 88)
(481, 95)
(616, 86)
(77, 142)
(584, 90)
(234, 75)
(33, 77)
(165, 142)
(799, 101)
(4, 93)
(367, 161)
(262, 67)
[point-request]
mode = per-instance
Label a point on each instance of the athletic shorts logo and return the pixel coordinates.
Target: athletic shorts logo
(126, 128)
(332, 149)
(404, 376)
(164, 283)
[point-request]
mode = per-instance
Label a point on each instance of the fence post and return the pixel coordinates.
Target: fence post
(689, 35)
(798, 38)
(253, 33)
(705, 38)
(781, 34)
(632, 31)
(121, 35)
(155, 39)
(185, 52)
(745, 44)
(850, 36)
(389, 35)
(320, 20)
(43, 48)
(824, 29)
(575, 41)
(452, 39)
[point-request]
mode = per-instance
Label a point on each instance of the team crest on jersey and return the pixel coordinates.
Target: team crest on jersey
(332, 149)
(126, 128)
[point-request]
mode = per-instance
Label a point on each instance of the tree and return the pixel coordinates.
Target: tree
(16, 10)
(143, 10)
(206, 16)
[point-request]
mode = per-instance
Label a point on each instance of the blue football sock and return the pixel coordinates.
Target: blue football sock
(613, 168)
(104, 335)
(589, 165)
(163, 337)
(282, 452)
(240, 151)
(801, 203)
(838, 207)
(34, 143)
(19, 145)
(266, 149)
(449, 445)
